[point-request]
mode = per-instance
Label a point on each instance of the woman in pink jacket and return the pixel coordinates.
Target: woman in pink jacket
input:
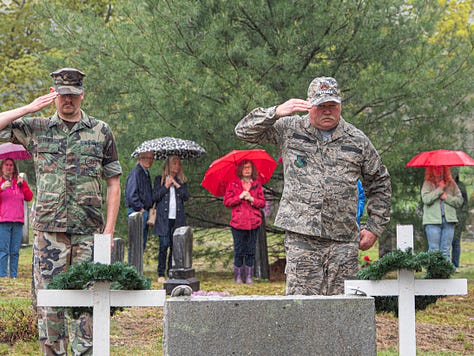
(13, 192)
(245, 196)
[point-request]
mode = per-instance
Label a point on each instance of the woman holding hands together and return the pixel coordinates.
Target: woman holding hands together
(245, 196)
(441, 196)
(170, 192)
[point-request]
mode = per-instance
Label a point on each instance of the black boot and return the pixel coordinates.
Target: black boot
(238, 274)
(248, 274)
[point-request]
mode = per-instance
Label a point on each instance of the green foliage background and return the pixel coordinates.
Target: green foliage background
(194, 69)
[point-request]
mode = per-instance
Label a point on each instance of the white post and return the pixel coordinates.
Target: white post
(102, 254)
(406, 296)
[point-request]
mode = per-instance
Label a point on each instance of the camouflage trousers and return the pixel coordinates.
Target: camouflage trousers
(52, 254)
(318, 266)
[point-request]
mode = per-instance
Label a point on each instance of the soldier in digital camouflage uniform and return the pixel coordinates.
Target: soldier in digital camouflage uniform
(323, 157)
(72, 152)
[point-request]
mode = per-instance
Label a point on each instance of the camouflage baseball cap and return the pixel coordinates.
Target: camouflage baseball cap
(323, 89)
(68, 81)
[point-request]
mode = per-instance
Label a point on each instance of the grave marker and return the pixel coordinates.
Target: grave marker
(135, 240)
(181, 272)
(269, 325)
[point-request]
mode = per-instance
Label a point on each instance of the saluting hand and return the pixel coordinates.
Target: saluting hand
(292, 106)
(41, 102)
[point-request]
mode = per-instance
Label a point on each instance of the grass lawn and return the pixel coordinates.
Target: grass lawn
(139, 330)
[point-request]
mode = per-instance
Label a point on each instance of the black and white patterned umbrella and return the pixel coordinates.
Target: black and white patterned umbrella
(164, 147)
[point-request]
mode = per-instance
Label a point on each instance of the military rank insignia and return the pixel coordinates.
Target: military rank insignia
(300, 161)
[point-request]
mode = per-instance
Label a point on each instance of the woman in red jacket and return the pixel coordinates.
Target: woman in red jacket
(13, 192)
(245, 196)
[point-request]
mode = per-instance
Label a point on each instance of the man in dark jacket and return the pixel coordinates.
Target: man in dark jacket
(138, 190)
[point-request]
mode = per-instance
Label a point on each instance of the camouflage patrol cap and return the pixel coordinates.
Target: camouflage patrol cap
(68, 81)
(323, 89)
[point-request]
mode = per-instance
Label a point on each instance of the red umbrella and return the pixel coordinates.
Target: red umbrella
(440, 158)
(222, 170)
(13, 151)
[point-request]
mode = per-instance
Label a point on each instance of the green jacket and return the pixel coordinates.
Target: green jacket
(70, 166)
(431, 203)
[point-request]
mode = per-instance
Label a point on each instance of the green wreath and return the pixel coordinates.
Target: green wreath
(434, 263)
(81, 276)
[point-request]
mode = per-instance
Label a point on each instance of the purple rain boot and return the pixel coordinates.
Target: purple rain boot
(238, 274)
(248, 274)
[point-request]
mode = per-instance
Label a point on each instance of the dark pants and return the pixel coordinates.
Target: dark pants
(456, 250)
(166, 242)
(245, 242)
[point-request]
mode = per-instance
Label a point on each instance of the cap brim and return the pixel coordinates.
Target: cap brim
(68, 90)
(325, 100)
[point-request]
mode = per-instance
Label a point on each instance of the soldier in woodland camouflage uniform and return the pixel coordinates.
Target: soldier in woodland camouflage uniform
(323, 157)
(72, 152)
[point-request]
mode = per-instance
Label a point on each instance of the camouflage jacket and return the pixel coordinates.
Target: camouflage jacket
(69, 166)
(320, 189)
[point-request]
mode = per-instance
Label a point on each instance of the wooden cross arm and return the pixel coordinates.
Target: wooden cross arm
(422, 287)
(84, 298)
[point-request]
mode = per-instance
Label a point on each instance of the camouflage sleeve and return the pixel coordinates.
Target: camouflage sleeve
(112, 169)
(6, 134)
(257, 126)
(110, 160)
(378, 191)
(17, 132)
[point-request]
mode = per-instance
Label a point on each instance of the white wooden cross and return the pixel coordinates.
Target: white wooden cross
(406, 287)
(101, 298)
